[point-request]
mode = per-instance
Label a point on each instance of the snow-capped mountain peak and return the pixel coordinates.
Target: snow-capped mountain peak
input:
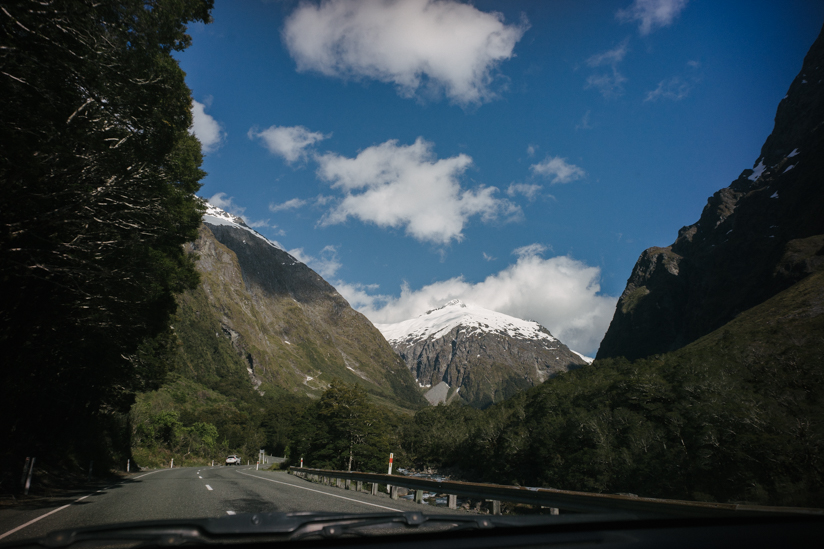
(437, 322)
(216, 216)
(464, 351)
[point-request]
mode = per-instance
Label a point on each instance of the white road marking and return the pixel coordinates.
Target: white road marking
(208, 487)
(230, 512)
(10, 532)
(153, 472)
(199, 476)
(29, 523)
(319, 492)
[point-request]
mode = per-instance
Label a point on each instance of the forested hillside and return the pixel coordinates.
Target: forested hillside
(733, 417)
(248, 362)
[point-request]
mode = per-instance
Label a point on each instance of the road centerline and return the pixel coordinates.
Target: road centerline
(209, 488)
(320, 492)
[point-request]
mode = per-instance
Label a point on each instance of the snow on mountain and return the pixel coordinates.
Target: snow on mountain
(438, 322)
(216, 216)
(588, 359)
(485, 355)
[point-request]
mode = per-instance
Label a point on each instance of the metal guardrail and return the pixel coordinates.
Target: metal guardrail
(565, 500)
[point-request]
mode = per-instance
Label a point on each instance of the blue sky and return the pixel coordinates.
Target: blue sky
(515, 155)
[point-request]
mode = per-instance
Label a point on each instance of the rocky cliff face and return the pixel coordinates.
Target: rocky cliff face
(483, 356)
(291, 328)
(754, 238)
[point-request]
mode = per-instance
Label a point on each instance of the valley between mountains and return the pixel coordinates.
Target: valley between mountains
(151, 331)
(268, 354)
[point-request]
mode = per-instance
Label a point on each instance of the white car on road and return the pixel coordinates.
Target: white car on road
(233, 460)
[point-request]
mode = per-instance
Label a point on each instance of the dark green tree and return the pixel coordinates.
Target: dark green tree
(343, 431)
(98, 172)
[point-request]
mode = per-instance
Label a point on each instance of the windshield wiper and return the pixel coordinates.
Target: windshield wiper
(292, 526)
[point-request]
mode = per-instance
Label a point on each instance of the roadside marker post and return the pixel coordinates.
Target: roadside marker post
(301, 462)
(172, 464)
(91, 466)
(28, 478)
(128, 463)
(391, 459)
(28, 462)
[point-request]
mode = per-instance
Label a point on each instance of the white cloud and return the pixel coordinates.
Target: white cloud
(651, 14)
(529, 250)
(610, 57)
(560, 293)
(531, 192)
(674, 89)
(558, 169)
(322, 200)
(292, 204)
(326, 265)
(207, 130)
(414, 44)
(394, 185)
(290, 142)
(530, 150)
(611, 83)
(585, 123)
(488, 257)
(260, 224)
(227, 204)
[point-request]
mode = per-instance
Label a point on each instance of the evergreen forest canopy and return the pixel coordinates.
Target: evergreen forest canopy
(99, 172)
(733, 417)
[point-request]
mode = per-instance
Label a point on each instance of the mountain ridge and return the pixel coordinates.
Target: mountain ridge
(754, 238)
(292, 328)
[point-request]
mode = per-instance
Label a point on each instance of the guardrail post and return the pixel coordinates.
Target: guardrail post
(374, 488)
(452, 499)
(418, 496)
(393, 492)
(359, 486)
(496, 507)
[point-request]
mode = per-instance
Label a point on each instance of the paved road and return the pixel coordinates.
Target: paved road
(193, 493)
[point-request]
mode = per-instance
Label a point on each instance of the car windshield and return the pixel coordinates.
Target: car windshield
(326, 267)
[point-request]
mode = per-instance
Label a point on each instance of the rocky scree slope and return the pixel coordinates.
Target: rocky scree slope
(291, 328)
(483, 356)
(754, 239)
